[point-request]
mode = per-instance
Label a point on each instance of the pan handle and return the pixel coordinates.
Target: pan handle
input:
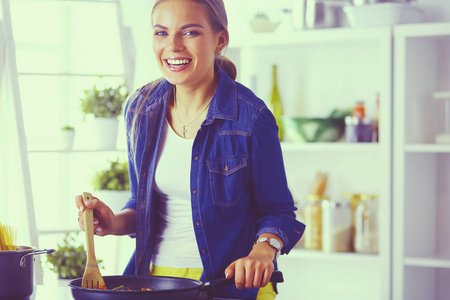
(210, 286)
(37, 252)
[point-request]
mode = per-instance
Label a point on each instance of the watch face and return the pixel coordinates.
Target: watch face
(275, 243)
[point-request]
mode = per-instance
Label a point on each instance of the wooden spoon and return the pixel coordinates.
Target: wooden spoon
(91, 278)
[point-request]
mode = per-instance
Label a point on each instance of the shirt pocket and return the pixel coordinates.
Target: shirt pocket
(226, 177)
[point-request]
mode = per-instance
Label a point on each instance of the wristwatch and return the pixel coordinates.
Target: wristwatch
(274, 243)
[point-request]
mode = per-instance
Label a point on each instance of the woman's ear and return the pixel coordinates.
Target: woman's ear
(222, 40)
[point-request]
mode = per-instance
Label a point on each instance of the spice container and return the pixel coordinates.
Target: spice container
(336, 224)
(358, 128)
(366, 225)
(312, 214)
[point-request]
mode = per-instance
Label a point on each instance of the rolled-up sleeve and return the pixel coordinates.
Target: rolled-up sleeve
(273, 200)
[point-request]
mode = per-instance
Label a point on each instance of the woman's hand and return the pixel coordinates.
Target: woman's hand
(255, 270)
(104, 218)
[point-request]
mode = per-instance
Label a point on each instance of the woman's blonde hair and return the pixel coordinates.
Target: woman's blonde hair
(219, 21)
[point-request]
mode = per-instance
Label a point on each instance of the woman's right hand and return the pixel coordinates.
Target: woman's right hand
(104, 218)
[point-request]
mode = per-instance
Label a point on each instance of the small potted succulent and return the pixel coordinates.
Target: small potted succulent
(113, 184)
(105, 105)
(69, 259)
(66, 137)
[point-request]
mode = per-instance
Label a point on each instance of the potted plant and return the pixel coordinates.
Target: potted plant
(113, 184)
(105, 105)
(66, 137)
(69, 259)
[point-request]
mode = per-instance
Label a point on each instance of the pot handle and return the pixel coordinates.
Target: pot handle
(210, 286)
(37, 252)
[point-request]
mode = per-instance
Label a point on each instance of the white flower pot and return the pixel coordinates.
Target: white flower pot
(116, 200)
(66, 139)
(104, 132)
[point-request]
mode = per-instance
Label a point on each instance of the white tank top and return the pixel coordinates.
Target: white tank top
(176, 245)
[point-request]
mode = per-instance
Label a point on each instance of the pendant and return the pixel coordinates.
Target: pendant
(183, 131)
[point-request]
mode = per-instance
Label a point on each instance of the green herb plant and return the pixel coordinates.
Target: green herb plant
(114, 178)
(67, 127)
(104, 103)
(69, 259)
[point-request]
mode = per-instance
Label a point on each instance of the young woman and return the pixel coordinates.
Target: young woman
(209, 195)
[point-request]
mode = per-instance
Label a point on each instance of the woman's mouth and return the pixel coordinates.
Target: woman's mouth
(177, 65)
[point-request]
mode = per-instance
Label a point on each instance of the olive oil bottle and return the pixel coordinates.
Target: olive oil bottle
(275, 103)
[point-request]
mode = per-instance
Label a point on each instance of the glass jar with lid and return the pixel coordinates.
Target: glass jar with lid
(336, 224)
(355, 201)
(366, 225)
(312, 214)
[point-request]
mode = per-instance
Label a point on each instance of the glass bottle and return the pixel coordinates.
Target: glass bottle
(312, 214)
(355, 200)
(276, 104)
(366, 225)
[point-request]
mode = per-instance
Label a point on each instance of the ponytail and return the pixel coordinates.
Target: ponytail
(227, 65)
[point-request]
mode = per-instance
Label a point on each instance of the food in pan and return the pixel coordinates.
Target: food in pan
(124, 288)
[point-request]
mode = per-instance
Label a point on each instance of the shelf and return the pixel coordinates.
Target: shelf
(338, 256)
(345, 147)
(432, 261)
(66, 74)
(59, 231)
(422, 30)
(332, 35)
(427, 148)
(74, 150)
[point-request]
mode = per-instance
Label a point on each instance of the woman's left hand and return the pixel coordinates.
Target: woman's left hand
(255, 270)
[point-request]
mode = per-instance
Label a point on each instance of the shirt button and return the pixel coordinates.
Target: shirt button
(197, 223)
(204, 252)
(196, 158)
(226, 168)
(194, 191)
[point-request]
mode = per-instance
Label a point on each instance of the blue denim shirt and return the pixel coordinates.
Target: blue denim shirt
(238, 183)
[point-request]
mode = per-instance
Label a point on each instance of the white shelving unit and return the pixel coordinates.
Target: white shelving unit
(62, 168)
(421, 233)
(319, 70)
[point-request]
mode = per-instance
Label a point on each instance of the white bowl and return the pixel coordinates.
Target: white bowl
(382, 14)
(263, 25)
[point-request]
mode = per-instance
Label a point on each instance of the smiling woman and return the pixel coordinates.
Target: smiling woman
(209, 195)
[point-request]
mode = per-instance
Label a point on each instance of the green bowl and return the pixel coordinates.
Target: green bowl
(312, 130)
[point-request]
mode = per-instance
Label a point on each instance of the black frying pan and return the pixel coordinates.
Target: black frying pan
(163, 288)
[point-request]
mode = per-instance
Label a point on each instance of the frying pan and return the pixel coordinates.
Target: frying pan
(163, 288)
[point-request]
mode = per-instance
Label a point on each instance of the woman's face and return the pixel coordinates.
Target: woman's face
(184, 42)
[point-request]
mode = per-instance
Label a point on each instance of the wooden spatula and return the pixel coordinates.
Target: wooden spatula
(92, 278)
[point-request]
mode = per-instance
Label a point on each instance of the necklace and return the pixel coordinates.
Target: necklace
(183, 130)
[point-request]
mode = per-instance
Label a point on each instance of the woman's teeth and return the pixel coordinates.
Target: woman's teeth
(178, 62)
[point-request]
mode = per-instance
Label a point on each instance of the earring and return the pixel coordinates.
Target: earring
(218, 50)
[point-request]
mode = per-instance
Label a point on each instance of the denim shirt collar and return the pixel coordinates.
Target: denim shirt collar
(223, 104)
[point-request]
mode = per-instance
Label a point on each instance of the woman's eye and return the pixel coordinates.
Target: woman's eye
(160, 33)
(191, 32)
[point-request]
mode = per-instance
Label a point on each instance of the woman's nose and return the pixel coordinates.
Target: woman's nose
(174, 44)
